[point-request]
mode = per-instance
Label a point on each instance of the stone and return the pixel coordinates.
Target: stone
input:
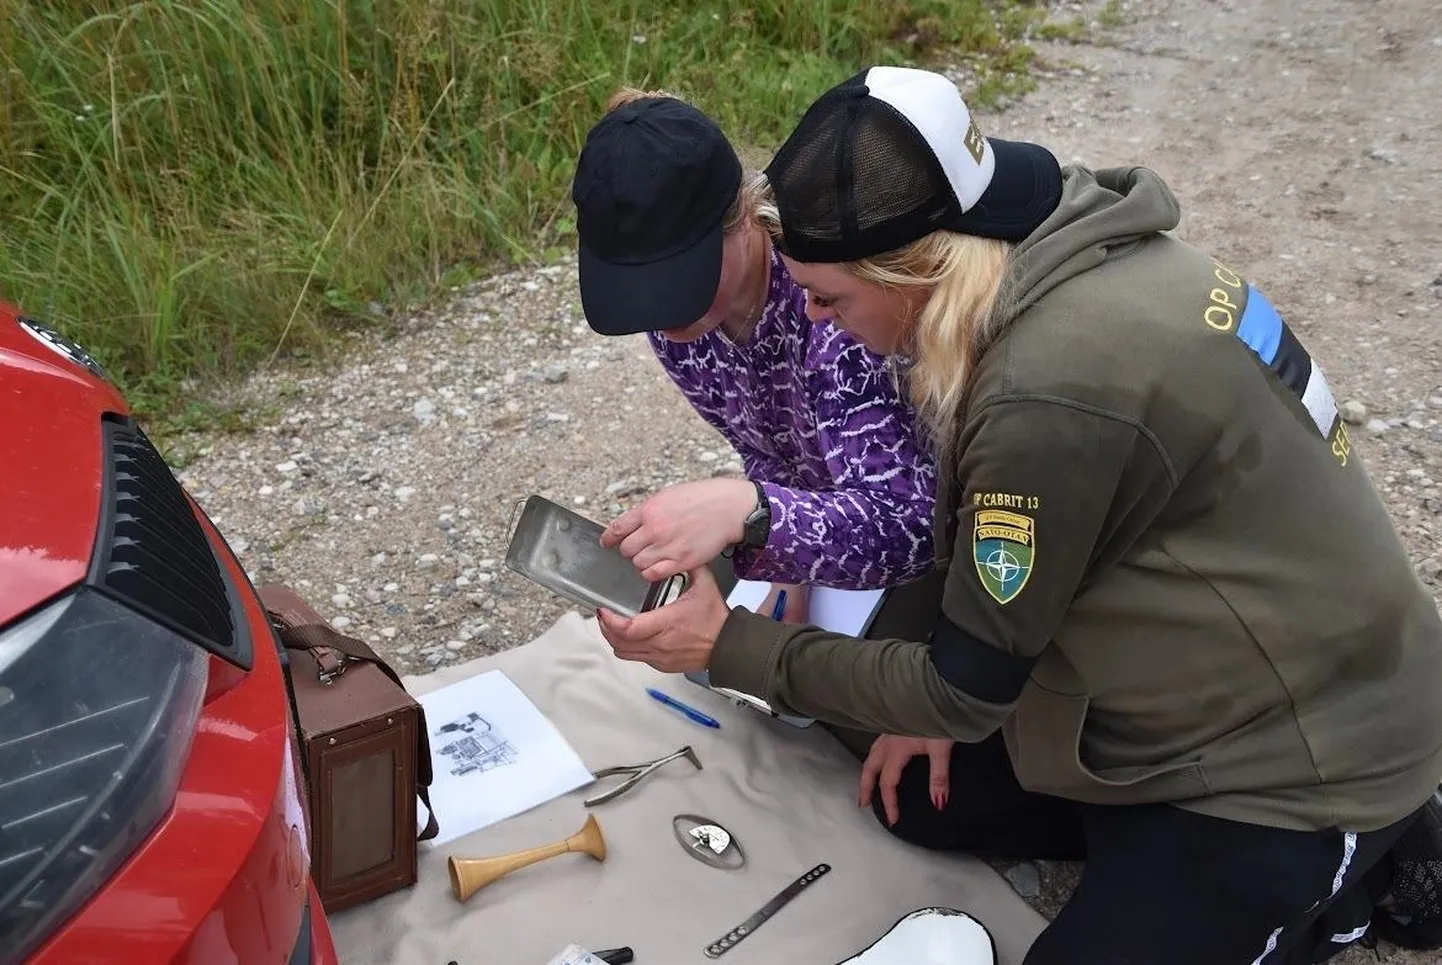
(1024, 879)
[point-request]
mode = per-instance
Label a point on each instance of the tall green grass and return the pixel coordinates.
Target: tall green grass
(191, 186)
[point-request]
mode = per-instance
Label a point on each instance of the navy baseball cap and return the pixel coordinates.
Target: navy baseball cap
(652, 187)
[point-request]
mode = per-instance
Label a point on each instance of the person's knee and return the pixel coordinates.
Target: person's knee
(916, 818)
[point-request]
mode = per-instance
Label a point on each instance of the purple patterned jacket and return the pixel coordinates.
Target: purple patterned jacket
(817, 419)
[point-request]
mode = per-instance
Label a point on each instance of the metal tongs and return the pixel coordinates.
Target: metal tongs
(637, 771)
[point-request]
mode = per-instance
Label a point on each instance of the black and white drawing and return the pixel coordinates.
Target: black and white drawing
(479, 748)
(493, 754)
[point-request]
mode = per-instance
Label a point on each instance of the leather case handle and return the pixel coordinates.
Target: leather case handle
(301, 628)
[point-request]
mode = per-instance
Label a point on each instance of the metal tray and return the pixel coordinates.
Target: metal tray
(561, 550)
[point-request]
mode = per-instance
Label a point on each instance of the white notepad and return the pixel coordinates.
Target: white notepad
(840, 611)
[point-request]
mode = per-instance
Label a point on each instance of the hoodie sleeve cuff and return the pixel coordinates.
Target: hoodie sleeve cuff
(746, 650)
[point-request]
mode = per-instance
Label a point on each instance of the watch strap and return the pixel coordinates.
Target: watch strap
(757, 528)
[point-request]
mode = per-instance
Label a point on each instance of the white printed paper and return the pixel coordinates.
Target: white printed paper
(493, 755)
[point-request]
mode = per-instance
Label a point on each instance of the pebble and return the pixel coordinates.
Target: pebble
(456, 645)
(1376, 425)
(424, 410)
(1354, 412)
(428, 561)
(555, 374)
(341, 600)
(340, 623)
(390, 634)
(405, 492)
(1024, 878)
(391, 587)
(310, 506)
(288, 466)
(624, 487)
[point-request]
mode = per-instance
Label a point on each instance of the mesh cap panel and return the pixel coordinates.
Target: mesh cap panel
(808, 181)
(856, 178)
(893, 173)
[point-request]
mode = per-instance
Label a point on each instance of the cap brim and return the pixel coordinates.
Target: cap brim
(671, 293)
(1024, 191)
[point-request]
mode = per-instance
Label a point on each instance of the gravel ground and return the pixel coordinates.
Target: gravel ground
(1301, 143)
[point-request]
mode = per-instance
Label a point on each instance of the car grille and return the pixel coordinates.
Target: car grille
(154, 556)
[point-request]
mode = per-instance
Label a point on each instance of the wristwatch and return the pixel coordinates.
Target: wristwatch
(757, 527)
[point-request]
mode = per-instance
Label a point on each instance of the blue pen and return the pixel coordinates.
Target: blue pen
(779, 610)
(691, 712)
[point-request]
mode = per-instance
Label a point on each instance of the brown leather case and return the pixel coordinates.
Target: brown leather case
(366, 751)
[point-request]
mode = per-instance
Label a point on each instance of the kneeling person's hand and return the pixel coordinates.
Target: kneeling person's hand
(889, 754)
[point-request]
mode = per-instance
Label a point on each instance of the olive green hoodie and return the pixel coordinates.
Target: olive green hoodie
(1168, 577)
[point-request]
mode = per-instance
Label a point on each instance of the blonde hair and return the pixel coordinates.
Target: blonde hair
(963, 315)
(744, 209)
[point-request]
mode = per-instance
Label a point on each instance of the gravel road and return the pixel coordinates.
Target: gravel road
(1299, 138)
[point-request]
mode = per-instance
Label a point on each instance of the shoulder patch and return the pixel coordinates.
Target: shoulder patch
(1003, 545)
(1238, 307)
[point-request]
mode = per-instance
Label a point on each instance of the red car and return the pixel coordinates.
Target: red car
(152, 803)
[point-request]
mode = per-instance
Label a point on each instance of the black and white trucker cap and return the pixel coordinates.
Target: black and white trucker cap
(893, 154)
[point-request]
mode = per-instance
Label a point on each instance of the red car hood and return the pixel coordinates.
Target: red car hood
(52, 396)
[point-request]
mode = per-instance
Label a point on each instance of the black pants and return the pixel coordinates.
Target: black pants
(1160, 885)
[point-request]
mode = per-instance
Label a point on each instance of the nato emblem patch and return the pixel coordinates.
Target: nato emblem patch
(1004, 547)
